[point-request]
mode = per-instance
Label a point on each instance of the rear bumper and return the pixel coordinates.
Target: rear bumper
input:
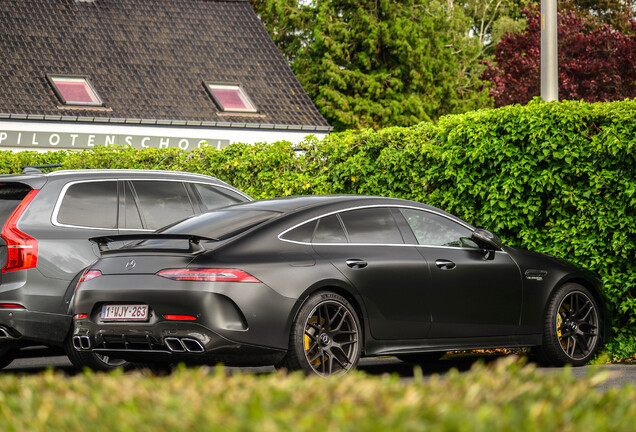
(169, 342)
(252, 314)
(42, 327)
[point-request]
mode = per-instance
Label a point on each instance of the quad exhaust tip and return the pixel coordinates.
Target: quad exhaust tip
(81, 342)
(179, 345)
(5, 335)
(183, 344)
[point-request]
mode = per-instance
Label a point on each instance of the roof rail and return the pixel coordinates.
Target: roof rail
(36, 169)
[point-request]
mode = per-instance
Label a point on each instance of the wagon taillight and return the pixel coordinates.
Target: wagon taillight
(22, 249)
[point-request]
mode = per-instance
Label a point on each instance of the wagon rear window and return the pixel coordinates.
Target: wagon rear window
(162, 202)
(214, 198)
(11, 194)
(90, 204)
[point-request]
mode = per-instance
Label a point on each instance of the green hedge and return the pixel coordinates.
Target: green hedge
(552, 177)
(502, 397)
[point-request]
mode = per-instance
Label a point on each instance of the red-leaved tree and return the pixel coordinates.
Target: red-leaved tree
(594, 65)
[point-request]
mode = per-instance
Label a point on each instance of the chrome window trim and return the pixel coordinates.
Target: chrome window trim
(453, 219)
(196, 177)
(62, 194)
(390, 245)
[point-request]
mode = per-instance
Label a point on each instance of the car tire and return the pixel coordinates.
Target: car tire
(326, 337)
(418, 358)
(7, 355)
(91, 360)
(572, 327)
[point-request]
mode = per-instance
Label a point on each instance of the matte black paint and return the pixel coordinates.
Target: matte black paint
(407, 296)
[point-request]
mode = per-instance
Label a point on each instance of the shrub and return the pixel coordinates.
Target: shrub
(504, 396)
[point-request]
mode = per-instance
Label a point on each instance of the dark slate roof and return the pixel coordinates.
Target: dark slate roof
(147, 59)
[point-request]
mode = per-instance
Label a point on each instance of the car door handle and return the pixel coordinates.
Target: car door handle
(356, 263)
(445, 264)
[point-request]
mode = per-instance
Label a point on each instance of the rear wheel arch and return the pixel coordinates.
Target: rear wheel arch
(336, 289)
(326, 337)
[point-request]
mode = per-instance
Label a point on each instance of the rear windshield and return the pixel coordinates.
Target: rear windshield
(11, 195)
(221, 224)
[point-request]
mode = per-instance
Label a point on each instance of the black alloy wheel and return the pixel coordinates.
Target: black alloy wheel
(91, 360)
(572, 327)
(110, 362)
(326, 338)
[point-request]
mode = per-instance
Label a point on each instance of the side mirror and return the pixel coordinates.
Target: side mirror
(486, 239)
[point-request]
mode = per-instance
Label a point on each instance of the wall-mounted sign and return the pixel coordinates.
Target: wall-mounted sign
(82, 140)
(32, 134)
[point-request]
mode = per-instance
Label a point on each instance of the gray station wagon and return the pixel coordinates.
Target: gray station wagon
(46, 220)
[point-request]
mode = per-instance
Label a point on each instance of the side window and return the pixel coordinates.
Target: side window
(302, 233)
(11, 195)
(371, 225)
(131, 216)
(162, 202)
(90, 204)
(434, 230)
(329, 230)
(214, 198)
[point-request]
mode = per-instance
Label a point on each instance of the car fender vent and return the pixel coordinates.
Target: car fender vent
(535, 274)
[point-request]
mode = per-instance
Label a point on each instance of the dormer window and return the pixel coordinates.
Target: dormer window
(230, 97)
(74, 90)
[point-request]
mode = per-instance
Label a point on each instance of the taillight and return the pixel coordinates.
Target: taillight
(22, 249)
(88, 275)
(11, 306)
(207, 275)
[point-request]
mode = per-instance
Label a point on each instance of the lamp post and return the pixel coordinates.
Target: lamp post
(549, 51)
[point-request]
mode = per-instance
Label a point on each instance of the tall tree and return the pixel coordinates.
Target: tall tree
(491, 19)
(377, 63)
(616, 13)
(594, 64)
(287, 22)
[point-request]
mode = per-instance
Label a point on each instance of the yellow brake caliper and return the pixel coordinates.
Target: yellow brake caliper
(559, 333)
(312, 320)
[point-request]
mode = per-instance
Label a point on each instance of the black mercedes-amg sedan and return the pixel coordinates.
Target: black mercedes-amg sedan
(316, 282)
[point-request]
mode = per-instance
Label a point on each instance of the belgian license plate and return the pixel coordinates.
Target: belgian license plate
(123, 312)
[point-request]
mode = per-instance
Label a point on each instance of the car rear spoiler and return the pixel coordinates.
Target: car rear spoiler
(194, 242)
